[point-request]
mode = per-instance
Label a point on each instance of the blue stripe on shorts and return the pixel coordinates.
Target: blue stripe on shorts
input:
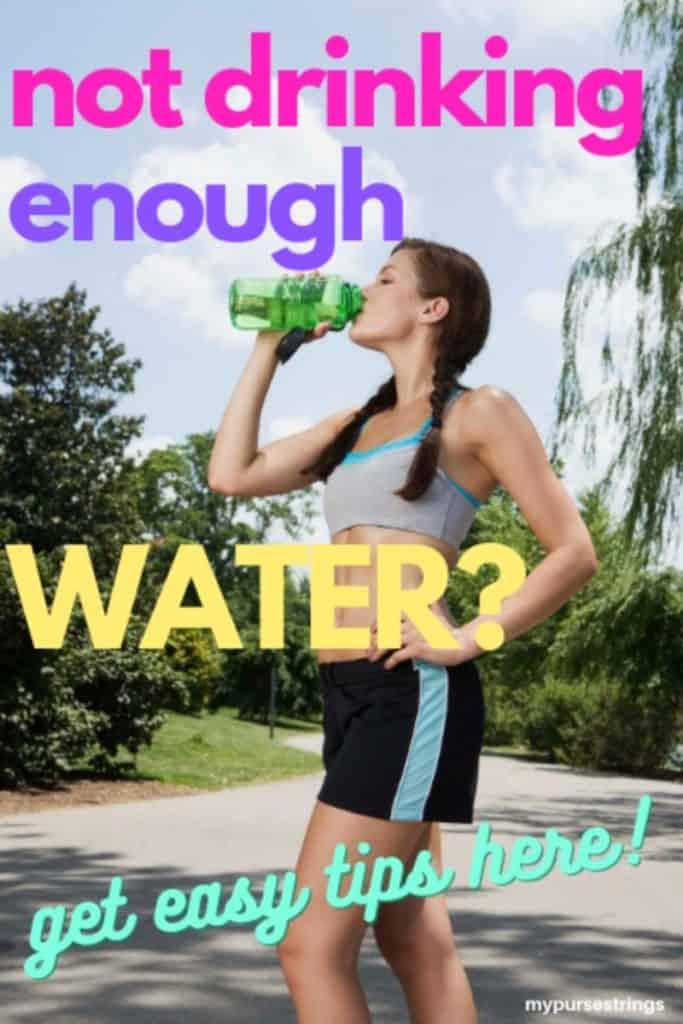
(425, 743)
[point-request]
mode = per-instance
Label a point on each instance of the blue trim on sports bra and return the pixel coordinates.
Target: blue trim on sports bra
(405, 442)
(463, 490)
(400, 442)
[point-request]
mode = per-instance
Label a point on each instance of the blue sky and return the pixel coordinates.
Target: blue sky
(522, 201)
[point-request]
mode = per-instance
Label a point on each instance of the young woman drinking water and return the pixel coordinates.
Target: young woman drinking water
(402, 729)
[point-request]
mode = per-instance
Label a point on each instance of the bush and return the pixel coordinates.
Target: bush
(503, 723)
(58, 706)
(602, 723)
(245, 683)
(193, 653)
(84, 703)
(126, 693)
(41, 733)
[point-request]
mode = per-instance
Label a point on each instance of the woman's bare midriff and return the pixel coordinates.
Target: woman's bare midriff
(366, 575)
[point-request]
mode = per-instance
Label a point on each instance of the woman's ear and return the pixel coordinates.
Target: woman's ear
(435, 310)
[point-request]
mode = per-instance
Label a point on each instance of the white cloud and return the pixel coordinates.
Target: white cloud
(534, 18)
(192, 283)
(618, 317)
(545, 307)
(15, 173)
(168, 281)
(565, 188)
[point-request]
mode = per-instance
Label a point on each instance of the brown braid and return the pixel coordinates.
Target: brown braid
(441, 270)
(383, 398)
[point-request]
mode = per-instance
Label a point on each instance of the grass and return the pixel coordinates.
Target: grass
(212, 751)
(215, 751)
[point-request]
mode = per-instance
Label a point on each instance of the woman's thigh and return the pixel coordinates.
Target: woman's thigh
(323, 931)
(416, 925)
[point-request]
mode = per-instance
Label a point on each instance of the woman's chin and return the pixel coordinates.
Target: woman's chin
(364, 338)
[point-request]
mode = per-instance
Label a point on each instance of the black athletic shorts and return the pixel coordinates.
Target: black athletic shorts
(403, 743)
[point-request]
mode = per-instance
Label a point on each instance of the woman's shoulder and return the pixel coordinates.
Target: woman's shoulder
(487, 398)
(482, 410)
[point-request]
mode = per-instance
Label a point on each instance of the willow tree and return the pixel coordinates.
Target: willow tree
(645, 401)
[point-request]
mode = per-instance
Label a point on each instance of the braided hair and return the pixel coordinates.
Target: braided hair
(441, 270)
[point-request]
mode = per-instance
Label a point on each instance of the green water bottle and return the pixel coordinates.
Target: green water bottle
(281, 304)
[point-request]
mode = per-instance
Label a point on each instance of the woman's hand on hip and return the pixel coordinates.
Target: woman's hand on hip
(413, 645)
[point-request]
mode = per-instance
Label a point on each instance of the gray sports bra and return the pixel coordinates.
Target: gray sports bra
(360, 491)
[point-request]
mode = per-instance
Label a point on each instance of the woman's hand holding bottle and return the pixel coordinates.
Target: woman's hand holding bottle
(274, 337)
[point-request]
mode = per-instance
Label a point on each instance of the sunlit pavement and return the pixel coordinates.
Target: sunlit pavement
(591, 935)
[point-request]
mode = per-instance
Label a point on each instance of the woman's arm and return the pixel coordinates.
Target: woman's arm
(237, 466)
(497, 430)
(507, 443)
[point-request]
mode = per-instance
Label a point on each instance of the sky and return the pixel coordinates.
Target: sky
(524, 201)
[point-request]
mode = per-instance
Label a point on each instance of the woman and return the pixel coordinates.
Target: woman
(403, 732)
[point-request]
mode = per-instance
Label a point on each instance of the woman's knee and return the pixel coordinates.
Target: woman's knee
(306, 953)
(324, 935)
(328, 938)
(422, 942)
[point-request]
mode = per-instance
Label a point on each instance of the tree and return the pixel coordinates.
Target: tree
(605, 670)
(247, 678)
(179, 508)
(64, 479)
(63, 475)
(646, 408)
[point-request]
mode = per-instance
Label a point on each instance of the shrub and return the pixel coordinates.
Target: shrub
(602, 723)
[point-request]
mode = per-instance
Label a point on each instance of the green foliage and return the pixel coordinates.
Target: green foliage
(601, 675)
(246, 683)
(193, 653)
(179, 508)
(505, 711)
(645, 405)
(606, 666)
(124, 693)
(594, 721)
(63, 475)
(511, 666)
(657, 25)
(63, 479)
(59, 706)
(628, 623)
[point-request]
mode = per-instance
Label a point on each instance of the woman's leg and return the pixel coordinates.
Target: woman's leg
(319, 953)
(414, 935)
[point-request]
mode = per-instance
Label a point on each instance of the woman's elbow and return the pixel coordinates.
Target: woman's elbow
(587, 559)
(225, 486)
(580, 559)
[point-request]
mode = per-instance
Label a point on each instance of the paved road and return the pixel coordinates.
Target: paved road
(614, 934)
